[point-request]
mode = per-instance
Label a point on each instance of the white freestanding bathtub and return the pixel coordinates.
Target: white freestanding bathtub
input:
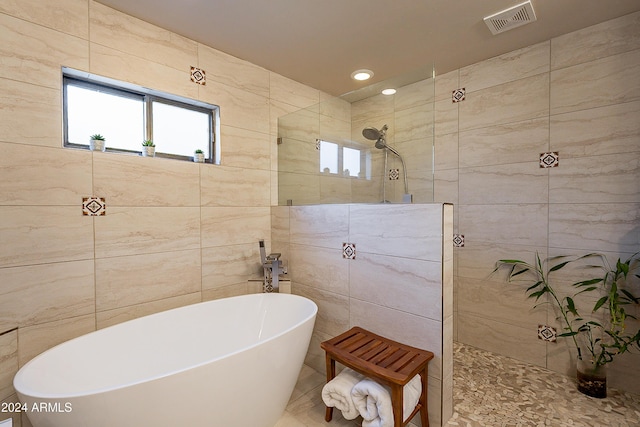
(225, 363)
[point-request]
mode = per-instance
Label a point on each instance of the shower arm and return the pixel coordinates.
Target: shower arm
(404, 168)
(380, 137)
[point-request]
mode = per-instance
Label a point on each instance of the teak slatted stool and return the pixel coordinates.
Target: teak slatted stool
(389, 362)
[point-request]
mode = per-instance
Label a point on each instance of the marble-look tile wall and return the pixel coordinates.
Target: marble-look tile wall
(300, 179)
(398, 285)
(174, 232)
(409, 116)
(409, 113)
(578, 95)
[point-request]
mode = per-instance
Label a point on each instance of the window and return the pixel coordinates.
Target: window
(331, 161)
(126, 115)
(191, 134)
(117, 115)
(328, 157)
(351, 161)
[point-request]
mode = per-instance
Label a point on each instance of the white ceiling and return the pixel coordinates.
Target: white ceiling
(320, 42)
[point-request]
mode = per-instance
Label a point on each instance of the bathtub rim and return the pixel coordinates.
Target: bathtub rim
(96, 391)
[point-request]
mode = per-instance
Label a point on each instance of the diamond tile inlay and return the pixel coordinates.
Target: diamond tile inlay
(458, 95)
(198, 76)
(93, 206)
(458, 240)
(547, 333)
(394, 174)
(349, 250)
(549, 160)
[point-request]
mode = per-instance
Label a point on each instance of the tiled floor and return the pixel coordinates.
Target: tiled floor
(492, 391)
(306, 408)
(515, 395)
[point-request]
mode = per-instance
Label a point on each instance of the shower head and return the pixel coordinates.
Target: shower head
(379, 136)
(374, 134)
(371, 133)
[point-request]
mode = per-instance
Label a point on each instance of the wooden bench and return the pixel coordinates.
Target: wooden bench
(388, 362)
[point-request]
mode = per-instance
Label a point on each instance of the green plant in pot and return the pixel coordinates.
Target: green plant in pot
(198, 156)
(148, 148)
(597, 342)
(97, 142)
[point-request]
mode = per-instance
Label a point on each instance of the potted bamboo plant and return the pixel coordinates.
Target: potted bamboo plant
(148, 148)
(597, 343)
(97, 142)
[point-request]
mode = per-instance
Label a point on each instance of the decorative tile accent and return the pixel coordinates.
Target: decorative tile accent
(318, 143)
(394, 174)
(458, 240)
(267, 287)
(458, 95)
(93, 206)
(547, 333)
(349, 250)
(549, 160)
(198, 76)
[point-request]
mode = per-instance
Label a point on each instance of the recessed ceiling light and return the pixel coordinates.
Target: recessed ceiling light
(389, 91)
(362, 74)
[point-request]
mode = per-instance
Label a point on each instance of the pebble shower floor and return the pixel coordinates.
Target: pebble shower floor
(526, 395)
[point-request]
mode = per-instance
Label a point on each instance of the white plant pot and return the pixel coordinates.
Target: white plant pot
(198, 157)
(148, 151)
(97, 145)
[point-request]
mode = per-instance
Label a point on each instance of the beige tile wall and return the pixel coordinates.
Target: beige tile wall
(174, 232)
(390, 287)
(577, 94)
(409, 115)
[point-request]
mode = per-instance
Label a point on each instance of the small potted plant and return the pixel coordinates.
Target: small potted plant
(97, 142)
(608, 334)
(198, 156)
(148, 148)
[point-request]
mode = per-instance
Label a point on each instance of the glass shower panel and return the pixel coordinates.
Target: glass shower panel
(298, 159)
(323, 156)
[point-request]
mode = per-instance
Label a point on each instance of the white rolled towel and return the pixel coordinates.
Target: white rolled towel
(337, 392)
(373, 401)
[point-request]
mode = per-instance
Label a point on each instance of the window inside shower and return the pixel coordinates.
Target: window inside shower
(328, 157)
(339, 160)
(351, 161)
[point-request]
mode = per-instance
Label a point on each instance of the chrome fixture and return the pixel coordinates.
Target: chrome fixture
(376, 135)
(272, 268)
(380, 137)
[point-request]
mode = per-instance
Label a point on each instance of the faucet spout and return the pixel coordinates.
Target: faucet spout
(272, 268)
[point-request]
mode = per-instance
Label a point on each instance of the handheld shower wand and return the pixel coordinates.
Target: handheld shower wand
(380, 137)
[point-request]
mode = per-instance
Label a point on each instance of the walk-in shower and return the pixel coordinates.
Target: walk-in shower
(329, 153)
(380, 137)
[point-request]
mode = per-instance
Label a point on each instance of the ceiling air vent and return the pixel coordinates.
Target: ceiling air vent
(513, 17)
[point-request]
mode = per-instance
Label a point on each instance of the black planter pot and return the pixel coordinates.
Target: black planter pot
(592, 379)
